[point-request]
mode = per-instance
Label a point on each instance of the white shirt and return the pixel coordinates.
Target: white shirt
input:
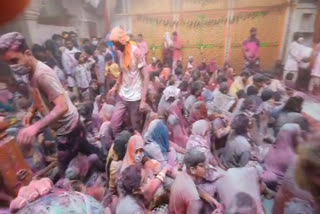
(83, 74)
(294, 57)
(132, 84)
(69, 64)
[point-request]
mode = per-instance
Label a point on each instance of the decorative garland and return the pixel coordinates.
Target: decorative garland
(202, 22)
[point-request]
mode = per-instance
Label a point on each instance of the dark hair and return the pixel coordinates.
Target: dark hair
(223, 88)
(240, 124)
(258, 78)
(266, 95)
(289, 76)
(245, 73)
(36, 48)
(252, 90)
(108, 57)
(196, 86)
(221, 79)
(120, 144)
(50, 45)
(241, 94)
(77, 56)
(140, 34)
(131, 179)
(294, 104)
(244, 204)
(88, 50)
(68, 40)
(193, 157)
(178, 71)
(56, 37)
(175, 33)
(184, 85)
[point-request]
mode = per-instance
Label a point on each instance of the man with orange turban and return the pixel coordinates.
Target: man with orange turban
(132, 85)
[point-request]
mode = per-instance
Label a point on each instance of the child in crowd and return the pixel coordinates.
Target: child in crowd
(83, 71)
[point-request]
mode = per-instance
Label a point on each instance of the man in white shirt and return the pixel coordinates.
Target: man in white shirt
(69, 63)
(132, 85)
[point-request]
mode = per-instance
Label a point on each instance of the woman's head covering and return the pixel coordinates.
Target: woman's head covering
(201, 128)
(171, 91)
(136, 142)
(118, 34)
(158, 132)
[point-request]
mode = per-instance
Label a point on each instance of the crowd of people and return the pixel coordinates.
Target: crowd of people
(125, 137)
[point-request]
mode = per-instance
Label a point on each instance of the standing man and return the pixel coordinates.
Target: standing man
(177, 50)
(49, 99)
(251, 49)
(132, 85)
(315, 72)
(143, 46)
(69, 63)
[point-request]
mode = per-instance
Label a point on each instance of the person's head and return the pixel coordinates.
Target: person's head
(196, 75)
(132, 37)
(140, 37)
(65, 35)
(266, 95)
(174, 36)
(58, 39)
(294, 104)
(39, 52)
(106, 112)
(241, 94)
(258, 80)
(243, 203)
(196, 88)
(102, 47)
(252, 90)
(222, 78)
(80, 57)
(94, 85)
(120, 144)
(108, 59)
(240, 124)
(298, 37)
(69, 44)
(190, 59)
(119, 38)
(16, 53)
(223, 88)
(245, 76)
(73, 35)
(131, 180)
(289, 76)
(253, 32)
(196, 163)
(184, 86)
